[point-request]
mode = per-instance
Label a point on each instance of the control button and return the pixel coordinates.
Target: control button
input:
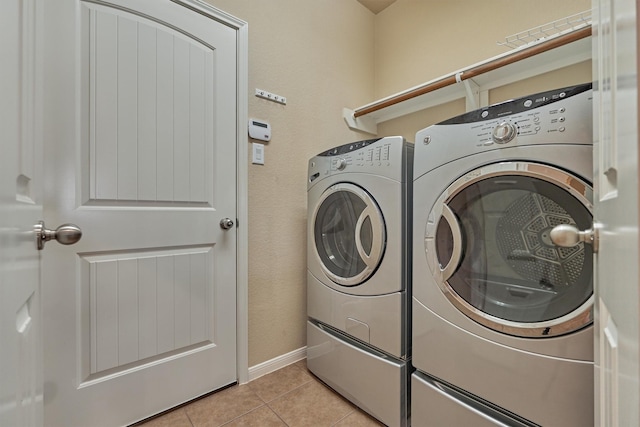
(562, 94)
(561, 119)
(562, 109)
(484, 114)
(561, 129)
(427, 139)
(528, 103)
(536, 119)
(537, 128)
(504, 133)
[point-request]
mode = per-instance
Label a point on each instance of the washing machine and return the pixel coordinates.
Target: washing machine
(502, 308)
(358, 275)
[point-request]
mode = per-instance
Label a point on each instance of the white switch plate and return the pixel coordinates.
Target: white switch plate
(258, 153)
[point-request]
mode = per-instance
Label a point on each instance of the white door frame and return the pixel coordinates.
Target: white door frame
(242, 266)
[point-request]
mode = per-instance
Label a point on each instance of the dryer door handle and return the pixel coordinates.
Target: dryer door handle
(456, 253)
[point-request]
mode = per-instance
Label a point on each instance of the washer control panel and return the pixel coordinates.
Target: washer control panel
(368, 153)
(381, 156)
(372, 156)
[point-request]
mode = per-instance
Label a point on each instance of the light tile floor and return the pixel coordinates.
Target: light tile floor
(291, 396)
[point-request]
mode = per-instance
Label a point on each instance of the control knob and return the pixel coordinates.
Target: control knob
(341, 164)
(504, 133)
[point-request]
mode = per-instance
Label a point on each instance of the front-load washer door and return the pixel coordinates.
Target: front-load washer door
(349, 234)
(489, 249)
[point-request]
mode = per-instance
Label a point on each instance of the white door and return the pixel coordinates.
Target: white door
(20, 209)
(141, 154)
(617, 277)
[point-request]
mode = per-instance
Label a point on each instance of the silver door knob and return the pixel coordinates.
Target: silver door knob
(226, 223)
(66, 234)
(566, 235)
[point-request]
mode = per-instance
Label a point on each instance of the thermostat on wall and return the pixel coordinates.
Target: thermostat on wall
(259, 129)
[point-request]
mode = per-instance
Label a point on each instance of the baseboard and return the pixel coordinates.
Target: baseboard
(276, 363)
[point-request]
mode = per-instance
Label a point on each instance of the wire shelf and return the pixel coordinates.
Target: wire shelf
(552, 29)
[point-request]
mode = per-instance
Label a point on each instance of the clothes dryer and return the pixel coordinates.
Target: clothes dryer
(502, 316)
(358, 276)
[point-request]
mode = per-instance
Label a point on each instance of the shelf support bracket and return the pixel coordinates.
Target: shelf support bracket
(361, 124)
(473, 92)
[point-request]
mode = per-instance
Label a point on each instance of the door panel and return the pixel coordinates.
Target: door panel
(129, 108)
(144, 304)
(20, 209)
(617, 310)
(143, 159)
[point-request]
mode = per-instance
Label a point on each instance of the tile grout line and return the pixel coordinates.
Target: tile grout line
(188, 417)
(278, 415)
(264, 403)
(247, 413)
(287, 392)
(343, 418)
(311, 378)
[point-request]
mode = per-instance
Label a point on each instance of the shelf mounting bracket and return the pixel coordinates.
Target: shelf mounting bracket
(361, 124)
(472, 90)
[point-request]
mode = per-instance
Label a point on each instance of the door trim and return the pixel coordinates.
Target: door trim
(242, 177)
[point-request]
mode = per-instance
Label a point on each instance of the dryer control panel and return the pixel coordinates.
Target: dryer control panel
(561, 116)
(544, 114)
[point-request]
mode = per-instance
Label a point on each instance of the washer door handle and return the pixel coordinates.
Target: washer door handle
(376, 238)
(456, 253)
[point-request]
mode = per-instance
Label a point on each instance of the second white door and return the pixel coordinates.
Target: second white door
(140, 153)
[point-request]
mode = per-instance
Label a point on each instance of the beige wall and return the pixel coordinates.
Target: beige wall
(324, 55)
(319, 55)
(421, 40)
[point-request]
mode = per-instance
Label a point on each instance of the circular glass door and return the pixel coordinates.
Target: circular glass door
(490, 250)
(349, 234)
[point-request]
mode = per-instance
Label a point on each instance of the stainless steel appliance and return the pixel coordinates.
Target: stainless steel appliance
(502, 315)
(358, 278)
